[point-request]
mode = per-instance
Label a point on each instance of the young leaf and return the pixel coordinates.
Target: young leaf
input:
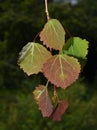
(76, 47)
(43, 100)
(59, 110)
(61, 70)
(32, 57)
(53, 35)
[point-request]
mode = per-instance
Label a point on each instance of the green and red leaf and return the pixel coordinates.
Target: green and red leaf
(32, 57)
(53, 35)
(61, 70)
(43, 100)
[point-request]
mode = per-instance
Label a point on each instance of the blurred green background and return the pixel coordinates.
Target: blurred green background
(20, 21)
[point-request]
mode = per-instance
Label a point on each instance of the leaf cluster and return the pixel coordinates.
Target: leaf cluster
(60, 69)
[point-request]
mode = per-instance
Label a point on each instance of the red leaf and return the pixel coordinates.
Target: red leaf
(61, 70)
(43, 100)
(59, 110)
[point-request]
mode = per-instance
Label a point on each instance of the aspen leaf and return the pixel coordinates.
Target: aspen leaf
(76, 47)
(53, 34)
(59, 110)
(32, 57)
(43, 100)
(61, 70)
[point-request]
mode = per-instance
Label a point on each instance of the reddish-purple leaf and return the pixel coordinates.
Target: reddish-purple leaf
(59, 110)
(61, 70)
(53, 35)
(43, 100)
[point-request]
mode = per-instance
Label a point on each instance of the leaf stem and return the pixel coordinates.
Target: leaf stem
(36, 36)
(47, 83)
(55, 93)
(68, 32)
(46, 10)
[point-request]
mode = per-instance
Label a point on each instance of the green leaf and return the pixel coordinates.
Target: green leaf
(32, 57)
(53, 35)
(61, 70)
(43, 100)
(76, 47)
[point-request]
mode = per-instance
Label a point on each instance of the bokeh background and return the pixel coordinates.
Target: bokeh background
(20, 21)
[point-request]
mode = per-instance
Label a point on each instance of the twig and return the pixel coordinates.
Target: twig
(68, 32)
(46, 10)
(36, 37)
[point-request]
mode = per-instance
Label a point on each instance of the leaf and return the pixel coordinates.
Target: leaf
(59, 110)
(61, 70)
(53, 35)
(32, 57)
(76, 47)
(43, 100)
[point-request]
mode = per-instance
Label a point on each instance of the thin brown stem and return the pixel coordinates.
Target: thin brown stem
(46, 10)
(68, 32)
(36, 37)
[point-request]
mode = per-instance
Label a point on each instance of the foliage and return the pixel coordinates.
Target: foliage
(76, 47)
(33, 53)
(19, 23)
(19, 111)
(59, 110)
(43, 100)
(53, 35)
(61, 70)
